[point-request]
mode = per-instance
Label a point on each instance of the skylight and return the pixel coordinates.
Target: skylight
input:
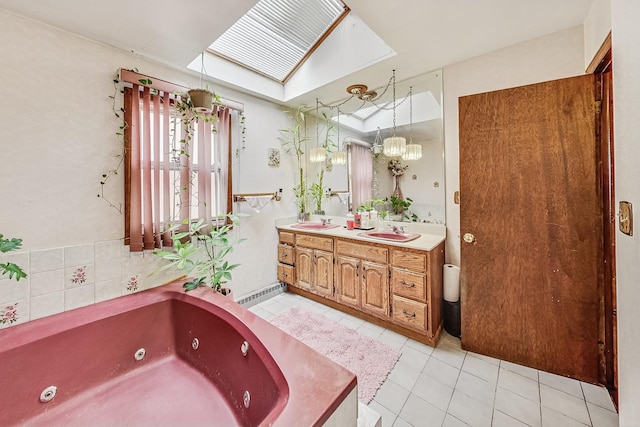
(275, 36)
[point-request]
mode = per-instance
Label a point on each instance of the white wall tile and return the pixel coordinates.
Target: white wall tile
(46, 260)
(47, 305)
(79, 255)
(107, 290)
(108, 270)
(80, 275)
(110, 250)
(14, 313)
(12, 290)
(21, 259)
(79, 297)
(47, 282)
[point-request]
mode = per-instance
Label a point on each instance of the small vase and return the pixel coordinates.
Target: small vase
(303, 216)
(397, 193)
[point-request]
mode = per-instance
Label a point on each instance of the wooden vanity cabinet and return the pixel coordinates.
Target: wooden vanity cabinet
(286, 258)
(368, 288)
(314, 264)
(396, 287)
(416, 289)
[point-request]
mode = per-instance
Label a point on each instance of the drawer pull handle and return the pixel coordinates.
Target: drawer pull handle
(407, 314)
(283, 255)
(407, 285)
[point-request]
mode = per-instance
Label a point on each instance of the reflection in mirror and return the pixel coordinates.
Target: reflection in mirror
(370, 118)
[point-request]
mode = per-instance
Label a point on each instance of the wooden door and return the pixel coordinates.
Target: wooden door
(531, 226)
(322, 282)
(304, 268)
(375, 288)
(348, 281)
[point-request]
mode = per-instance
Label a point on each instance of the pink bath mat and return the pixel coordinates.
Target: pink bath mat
(369, 359)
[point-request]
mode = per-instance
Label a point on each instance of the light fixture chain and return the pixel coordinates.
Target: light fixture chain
(411, 114)
(394, 102)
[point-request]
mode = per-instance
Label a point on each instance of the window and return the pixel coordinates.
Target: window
(275, 36)
(173, 170)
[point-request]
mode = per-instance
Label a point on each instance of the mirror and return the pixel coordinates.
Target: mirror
(418, 116)
(369, 119)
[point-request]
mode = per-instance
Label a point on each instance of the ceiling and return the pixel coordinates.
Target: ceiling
(425, 34)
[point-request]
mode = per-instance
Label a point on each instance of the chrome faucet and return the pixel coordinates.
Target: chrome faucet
(325, 221)
(397, 230)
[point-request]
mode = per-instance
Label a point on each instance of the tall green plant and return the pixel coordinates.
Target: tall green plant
(293, 142)
(201, 251)
(317, 190)
(13, 270)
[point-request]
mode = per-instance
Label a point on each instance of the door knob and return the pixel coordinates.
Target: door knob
(469, 238)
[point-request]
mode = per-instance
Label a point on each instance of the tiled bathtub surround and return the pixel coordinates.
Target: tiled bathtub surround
(61, 279)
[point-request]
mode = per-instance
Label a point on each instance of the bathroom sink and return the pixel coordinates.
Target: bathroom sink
(314, 225)
(390, 235)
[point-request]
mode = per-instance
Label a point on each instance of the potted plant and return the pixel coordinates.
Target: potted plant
(201, 251)
(8, 245)
(202, 100)
(318, 194)
(317, 190)
(293, 142)
(398, 206)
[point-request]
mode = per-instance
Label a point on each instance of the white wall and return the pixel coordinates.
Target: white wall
(57, 137)
(551, 57)
(625, 34)
(596, 28)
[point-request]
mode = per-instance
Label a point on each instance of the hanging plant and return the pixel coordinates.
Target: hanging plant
(202, 100)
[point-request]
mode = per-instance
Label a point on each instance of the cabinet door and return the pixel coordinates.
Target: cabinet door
(375, 288)
(304, 267)
(323, 273)
(348, 281)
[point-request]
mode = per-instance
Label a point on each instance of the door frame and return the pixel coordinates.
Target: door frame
(601, 65)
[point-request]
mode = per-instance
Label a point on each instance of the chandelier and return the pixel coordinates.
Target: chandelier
(394, 146)
(412, 151)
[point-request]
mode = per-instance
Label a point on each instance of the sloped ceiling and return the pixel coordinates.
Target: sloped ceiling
(426, 34)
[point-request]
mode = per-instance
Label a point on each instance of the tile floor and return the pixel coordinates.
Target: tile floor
(450, 387)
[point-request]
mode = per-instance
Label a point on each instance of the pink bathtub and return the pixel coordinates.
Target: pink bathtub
(163, 357)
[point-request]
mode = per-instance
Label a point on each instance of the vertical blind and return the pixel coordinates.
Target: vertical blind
(168, 180)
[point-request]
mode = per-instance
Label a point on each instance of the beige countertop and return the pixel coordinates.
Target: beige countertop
(431, 235)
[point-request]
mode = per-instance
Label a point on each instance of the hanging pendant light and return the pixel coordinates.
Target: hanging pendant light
(339, 157)
(317, 154)
(394, 146)
(412, 151)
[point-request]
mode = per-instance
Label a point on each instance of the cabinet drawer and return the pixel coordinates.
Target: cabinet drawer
(410, 260)
(287, 237)
(286, 274)
(315, 242)
(409, 284)
(410, 314)
(368, 252)
(285, 254)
